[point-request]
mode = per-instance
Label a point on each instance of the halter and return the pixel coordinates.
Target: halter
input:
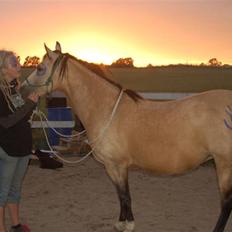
(49, 80)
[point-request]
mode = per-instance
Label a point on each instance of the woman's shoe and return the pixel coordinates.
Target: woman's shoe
(20, 228)
(47, 160)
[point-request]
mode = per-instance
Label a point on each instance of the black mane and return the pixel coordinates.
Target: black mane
(97, 69)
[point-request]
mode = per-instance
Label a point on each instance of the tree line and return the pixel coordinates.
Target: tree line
(128, 62)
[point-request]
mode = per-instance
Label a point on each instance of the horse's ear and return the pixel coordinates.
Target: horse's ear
(49, 51)
(58, 46)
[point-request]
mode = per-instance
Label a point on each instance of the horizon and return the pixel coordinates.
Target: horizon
(161, 32)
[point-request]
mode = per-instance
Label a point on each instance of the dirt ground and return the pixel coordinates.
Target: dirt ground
(81, 198)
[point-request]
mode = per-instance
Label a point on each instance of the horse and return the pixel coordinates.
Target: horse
(124, 129)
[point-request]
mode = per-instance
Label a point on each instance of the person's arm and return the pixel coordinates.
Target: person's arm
(18, 115)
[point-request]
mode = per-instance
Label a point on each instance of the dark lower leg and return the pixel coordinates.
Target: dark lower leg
(224, 216)
(125, 203)
(119, 176)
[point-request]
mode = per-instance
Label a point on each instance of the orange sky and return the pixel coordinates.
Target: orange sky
(149, 31)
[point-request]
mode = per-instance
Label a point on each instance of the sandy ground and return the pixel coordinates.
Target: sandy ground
(81, 198)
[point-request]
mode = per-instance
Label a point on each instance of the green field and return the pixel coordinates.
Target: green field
(170, 79)
(174, 79)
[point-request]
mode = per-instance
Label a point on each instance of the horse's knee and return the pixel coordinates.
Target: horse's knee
(124, 197)
(227, 201)
(119, 176)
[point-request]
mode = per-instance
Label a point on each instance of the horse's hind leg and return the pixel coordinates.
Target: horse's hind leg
(119, 176)
(224, 173)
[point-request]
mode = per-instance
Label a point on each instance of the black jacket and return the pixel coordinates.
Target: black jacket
(15, 130)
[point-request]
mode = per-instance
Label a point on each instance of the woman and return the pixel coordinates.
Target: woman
(15, 138)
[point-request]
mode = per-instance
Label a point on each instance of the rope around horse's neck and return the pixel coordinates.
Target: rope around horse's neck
(110, 119)
(100, 136)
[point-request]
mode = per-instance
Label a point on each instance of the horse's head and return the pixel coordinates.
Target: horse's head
(45, 77)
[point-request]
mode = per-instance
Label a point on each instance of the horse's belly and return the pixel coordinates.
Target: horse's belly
(171, 164)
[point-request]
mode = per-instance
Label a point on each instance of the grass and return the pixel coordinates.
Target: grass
(174, 79)
(169, 78)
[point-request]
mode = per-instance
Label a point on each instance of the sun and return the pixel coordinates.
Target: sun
(91, 47)
(94, 55)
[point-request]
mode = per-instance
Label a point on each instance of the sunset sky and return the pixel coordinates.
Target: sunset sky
(149, 31)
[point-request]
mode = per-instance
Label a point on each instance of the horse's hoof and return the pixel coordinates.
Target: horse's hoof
(124, 226)
(130, 226)
(120, 226)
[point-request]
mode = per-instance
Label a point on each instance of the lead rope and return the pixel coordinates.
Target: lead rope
(56, 131)
(54, 152)
(100, 136)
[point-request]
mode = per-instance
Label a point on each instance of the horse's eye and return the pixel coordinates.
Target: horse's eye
(41, 69)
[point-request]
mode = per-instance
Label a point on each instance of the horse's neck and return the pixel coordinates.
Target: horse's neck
(92, 98)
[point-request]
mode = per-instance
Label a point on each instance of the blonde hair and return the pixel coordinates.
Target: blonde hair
(4, 84)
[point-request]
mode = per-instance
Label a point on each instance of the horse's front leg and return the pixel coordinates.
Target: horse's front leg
(119, 176)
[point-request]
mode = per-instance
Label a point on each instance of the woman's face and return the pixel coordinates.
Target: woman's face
(12, 68)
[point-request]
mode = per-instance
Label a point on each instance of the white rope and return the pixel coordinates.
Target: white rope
(57, 132)
(41, 114)
(55, 153)
(110, 119)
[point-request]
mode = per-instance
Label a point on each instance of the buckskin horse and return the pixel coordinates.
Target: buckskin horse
(124, 129)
